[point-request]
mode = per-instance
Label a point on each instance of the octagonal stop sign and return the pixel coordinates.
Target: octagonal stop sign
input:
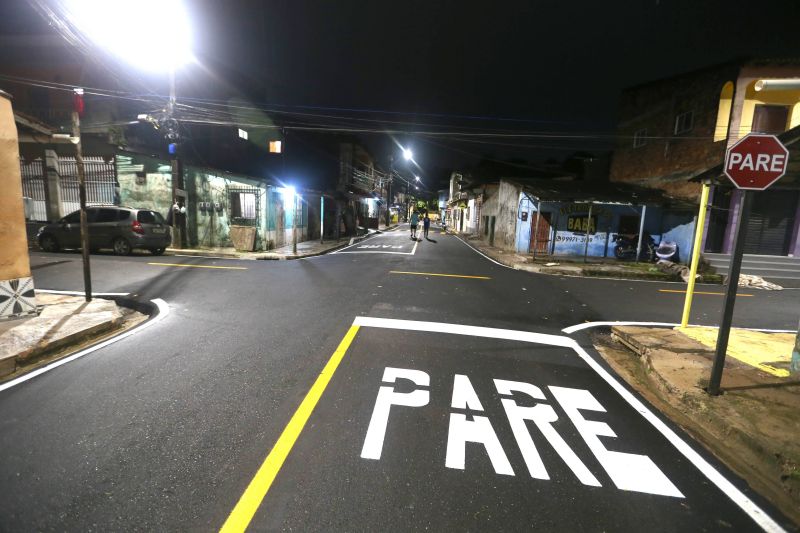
(756, 161)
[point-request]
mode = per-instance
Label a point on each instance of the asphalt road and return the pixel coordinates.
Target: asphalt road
(393, 385)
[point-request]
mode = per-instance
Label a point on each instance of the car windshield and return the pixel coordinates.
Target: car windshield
(149, 217)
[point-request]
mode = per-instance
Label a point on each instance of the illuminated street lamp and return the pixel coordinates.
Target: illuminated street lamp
(97, 19)
(408, 155)
(172, 48)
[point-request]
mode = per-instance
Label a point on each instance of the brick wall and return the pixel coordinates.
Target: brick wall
(666, 162)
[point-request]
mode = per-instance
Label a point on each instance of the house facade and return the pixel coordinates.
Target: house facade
(562, 218)
(670, 131)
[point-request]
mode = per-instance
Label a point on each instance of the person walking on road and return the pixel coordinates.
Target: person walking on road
(414, 222)
(426, 225)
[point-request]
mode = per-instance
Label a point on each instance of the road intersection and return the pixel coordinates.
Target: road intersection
(452, 400)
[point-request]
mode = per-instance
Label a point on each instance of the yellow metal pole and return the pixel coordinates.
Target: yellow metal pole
(698, 241)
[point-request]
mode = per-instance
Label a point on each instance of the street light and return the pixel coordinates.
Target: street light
(98, 20)
(172, 48)
(408, 155)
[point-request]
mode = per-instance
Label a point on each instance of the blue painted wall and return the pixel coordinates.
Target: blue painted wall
(670, 226)
(525, 210)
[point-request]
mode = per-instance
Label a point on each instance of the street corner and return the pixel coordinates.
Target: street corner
(415, 415)
(64, 323)
(747, 425)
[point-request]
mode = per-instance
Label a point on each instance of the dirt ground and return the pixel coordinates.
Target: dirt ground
(753, 427)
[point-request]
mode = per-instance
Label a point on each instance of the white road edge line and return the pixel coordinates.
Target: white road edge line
(729, 489)
(462, 241)
(81, 293)
(163, 311)
(458, 238)
(586, 325)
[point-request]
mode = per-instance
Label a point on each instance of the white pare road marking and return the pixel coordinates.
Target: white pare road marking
(628, 471)
(712, 474)
(376, 249)
(379, 247)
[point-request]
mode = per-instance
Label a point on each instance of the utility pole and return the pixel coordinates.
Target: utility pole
(177, 183)
(76, 134)
(294, 225)
(389, 191)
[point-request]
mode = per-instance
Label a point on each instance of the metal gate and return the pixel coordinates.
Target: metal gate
(33, 186)
(101, 182)
(770, 225)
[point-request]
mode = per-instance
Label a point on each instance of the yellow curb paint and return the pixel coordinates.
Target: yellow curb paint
(440, 275)
(248, 504)
(196, 266)
(701, 292)
(766, 351)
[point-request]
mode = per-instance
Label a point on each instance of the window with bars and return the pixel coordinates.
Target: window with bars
(244, 206)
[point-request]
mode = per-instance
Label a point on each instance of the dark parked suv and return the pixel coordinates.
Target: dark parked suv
(119, 228)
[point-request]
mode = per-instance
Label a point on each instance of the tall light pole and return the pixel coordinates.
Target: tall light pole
(389, 191)
(76, 134)
(170, 50)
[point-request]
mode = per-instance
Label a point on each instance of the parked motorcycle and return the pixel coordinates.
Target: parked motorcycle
(625, 248)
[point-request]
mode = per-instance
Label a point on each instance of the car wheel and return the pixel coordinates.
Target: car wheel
(157, 251)
(122, 246)
(48, 243)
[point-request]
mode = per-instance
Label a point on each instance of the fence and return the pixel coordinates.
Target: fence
(101, 184)
(33, 186)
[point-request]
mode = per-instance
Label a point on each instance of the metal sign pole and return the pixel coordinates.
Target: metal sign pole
(698, 242)
(730, 294)
(588, 227)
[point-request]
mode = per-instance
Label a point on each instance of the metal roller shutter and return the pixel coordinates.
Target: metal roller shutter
(769, 226)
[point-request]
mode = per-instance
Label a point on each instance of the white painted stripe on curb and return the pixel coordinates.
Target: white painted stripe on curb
(729, 489)
(163, 311)
(586, 325)
(81, 293)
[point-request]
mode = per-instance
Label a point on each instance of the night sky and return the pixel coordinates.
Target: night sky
(551, 66)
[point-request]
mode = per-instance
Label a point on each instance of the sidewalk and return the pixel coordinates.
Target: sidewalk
(574, 266)
(304, 249)
(754, 426)
(63, 323)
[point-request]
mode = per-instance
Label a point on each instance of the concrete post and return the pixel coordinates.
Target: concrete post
(17, 297)
(52, 176)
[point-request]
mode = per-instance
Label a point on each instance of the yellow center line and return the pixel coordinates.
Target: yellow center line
(196, 266)
(248, 504)
(440, 275)
(701, 292)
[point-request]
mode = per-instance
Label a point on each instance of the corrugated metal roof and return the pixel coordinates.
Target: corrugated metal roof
(598, 192)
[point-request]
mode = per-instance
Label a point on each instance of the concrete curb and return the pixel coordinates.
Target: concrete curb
(568, 270)
(272, 256)
(30, 357)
